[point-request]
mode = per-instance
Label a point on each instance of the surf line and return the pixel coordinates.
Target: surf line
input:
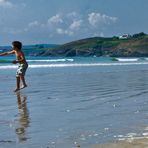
(74, 65)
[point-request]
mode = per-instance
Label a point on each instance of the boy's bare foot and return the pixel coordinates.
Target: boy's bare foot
(23, 86)
(17, 89)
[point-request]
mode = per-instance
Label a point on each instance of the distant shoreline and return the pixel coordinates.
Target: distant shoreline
(131, 46)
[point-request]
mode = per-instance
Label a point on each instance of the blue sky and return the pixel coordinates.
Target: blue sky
(61, 21)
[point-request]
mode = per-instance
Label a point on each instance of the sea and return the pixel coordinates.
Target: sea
(74, 102)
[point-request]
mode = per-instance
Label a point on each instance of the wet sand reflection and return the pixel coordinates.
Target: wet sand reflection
(23, 121)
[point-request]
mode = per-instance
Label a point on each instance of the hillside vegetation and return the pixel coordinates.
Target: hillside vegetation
(133, 46)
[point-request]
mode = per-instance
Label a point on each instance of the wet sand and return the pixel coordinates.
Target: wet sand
(129, 143)
(75, 107)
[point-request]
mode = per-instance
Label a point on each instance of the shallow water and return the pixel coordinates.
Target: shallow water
(74, 105)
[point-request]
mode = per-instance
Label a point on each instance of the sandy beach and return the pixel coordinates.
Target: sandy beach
(71, 106)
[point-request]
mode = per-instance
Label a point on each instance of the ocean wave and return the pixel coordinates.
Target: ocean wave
(46, 60)
(146, 59)
(52, 60)
(127, 59)
(74, 65)
(5, 61)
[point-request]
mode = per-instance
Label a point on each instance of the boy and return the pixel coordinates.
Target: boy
(23, 65)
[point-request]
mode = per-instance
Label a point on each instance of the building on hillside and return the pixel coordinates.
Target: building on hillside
(125, 36)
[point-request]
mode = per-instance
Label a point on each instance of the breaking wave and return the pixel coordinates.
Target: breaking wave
(127, 59)
(52, 60)
(73, 65)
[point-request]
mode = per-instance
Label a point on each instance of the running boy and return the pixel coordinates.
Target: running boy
(23, 65)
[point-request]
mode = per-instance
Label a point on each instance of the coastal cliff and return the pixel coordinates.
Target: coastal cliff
(133, 46)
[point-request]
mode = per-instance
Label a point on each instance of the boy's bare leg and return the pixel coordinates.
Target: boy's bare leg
(17, 84)
(23, 81)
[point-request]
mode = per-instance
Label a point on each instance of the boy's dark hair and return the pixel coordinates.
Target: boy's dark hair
(17, 44)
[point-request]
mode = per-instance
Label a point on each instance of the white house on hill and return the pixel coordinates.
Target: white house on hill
(125, 36)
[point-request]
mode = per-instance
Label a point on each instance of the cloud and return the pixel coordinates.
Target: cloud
(5, 4)
(76, 24)
(34, 24)
(98, 19)
(55, 20)
(64, 32)
(69, 26)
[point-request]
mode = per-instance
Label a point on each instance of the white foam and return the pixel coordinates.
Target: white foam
(132, 136)
(145, 134)
(74, 65)
(85, 65)
(127, 59)
(52, 60)
(146, 59)
(8, 67)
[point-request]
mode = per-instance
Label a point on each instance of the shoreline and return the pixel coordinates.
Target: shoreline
(137, 142)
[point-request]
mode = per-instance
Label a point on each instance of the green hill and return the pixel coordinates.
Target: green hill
(133, 46)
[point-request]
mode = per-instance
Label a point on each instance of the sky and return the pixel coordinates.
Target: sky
(62, 21)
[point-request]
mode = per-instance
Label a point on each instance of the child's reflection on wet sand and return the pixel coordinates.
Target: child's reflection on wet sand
(23, 120)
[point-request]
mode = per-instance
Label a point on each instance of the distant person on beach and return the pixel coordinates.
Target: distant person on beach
(23, 65)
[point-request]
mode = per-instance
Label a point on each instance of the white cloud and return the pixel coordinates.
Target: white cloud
(69, 25)
(76, 24)
(33, 24)
(55, 19)
(72, 14)
(5, 3)
(62, 31)
(97, 19)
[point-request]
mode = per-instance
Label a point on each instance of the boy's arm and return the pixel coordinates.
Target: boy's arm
(7, 53)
